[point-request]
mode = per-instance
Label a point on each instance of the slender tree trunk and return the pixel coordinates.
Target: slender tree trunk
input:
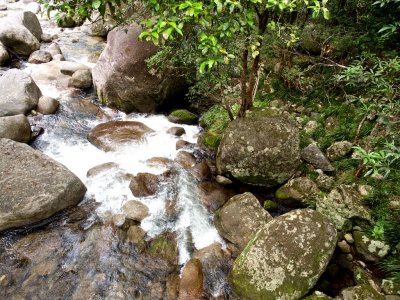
(249, 81)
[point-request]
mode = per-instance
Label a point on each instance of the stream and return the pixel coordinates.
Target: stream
(84, 252)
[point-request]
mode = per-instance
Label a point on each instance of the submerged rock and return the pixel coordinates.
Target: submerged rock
(259, 151)
(16, 128)
(191, 285)
(144, 184)
(285, 258)
(240, 218)
(33, 186)
(121, 77)
(111, 135)
(19, 93)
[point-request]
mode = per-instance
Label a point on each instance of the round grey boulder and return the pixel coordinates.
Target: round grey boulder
(18, 38)
(16, 128)
(240, 218)
(19, 93)
(40, 57)
(259, 151)
(33, 186)
(285, 258)
(48, 105)
(81, 79)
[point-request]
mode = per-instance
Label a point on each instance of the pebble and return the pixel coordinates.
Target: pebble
(344, 247)
(349, 238)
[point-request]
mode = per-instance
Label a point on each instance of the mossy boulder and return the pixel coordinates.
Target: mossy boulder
(285, 258)
(259, 151)
(240, 218)
(182, 116)
(210, 139)
(361, 292)
(164, 246)
(343, 205)
(369, 248)
(298, 192)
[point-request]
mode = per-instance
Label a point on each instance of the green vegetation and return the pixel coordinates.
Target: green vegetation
(342, 73)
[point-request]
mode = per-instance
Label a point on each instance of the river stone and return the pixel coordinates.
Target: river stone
(191, 285)
(342, 205)
(182, 116)
(135, 210)
(33, 186)
(185, 159)
(361, 292)
(4, 56)
(48, 105)
(54, 49)
(285, 258)
(135, 235)
(318, 296)
(144, 184)
(259, 151)
(30, 21)
(16, 128)
(18, 38)
(176, 131)
(97, 170)
(200, 171)
(3, 6)
(121, 77)
(81, 79)
(314, 156)
(19, 93)
(40, 57)
(370, 249)
(111, 135)
(298, 192)
(240, 218)
(214, 195)
(339, 150)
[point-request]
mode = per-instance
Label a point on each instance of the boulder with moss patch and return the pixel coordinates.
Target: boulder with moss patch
(182, 116)
(240, 218)
(259, 151)
(343, 205)
(369, 248)
(285, 258)
(361, 292)
(210, 139)
(298, 192)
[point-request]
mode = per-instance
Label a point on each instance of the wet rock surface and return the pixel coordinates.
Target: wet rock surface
(109, 136)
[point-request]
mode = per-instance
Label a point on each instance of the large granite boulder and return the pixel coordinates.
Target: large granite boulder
(19, 93)
(16, 128)
(259, 151)
(240, 218)
(121, 77)
(18, 38)
(33, 186)
(30, 21)
(285, 258)
(111, 135)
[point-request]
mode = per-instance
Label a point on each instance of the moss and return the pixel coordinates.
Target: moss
(211, 139)
(163, 247)
(270, 205)
(182, 116)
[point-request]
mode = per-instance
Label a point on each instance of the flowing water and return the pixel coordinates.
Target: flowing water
(80, 253)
